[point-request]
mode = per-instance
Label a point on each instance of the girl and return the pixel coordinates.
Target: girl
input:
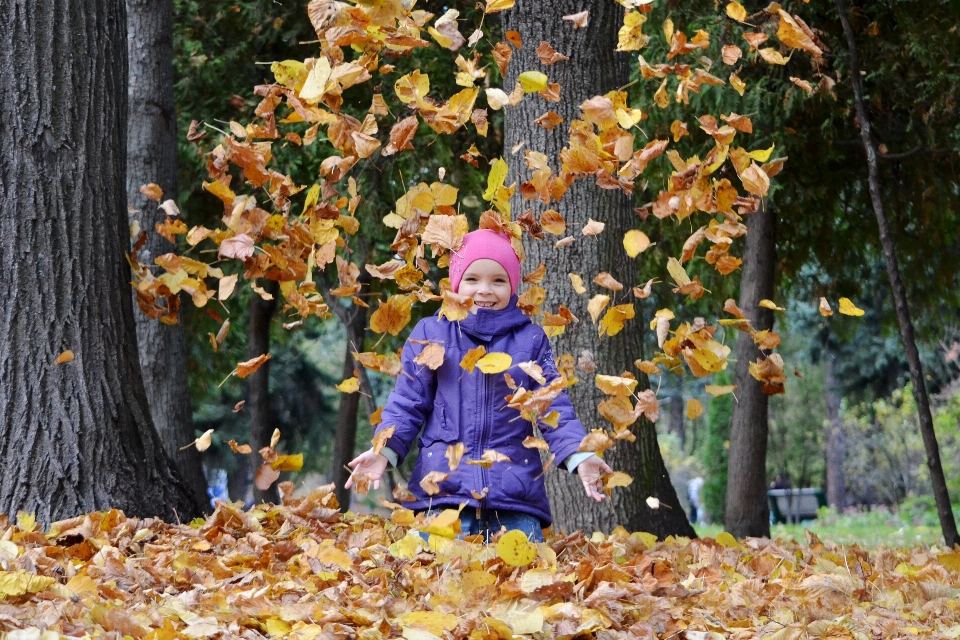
(470, 408)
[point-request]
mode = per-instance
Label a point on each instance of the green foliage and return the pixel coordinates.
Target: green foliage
(715, 452)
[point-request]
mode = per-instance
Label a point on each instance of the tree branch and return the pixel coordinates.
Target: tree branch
(894, 157)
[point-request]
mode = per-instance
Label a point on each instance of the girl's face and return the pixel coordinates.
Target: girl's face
(488, 283)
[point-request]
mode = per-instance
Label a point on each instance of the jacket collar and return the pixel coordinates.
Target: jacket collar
(485, 324)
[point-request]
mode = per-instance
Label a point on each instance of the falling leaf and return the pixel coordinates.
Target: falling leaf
(391, 316)
(152, 191)
(548, 55)
(471, 358)
(553, 223)
(635, 242)
(694, 408)
(615, 385)
(288, 462)
(494, 6)
(431, 482)
(454, 454)
(513, 37)
(595, 442)
(431, 356)
(266, 476)
(239, 247)
(63, 358)
(719, 389)
(249, 367)
(532, 81)
(226, 287)
(239, 407)
(824, 307)
(847, 308)
(578, 20)
(535, 443)
(653, 503)
(350, 385)
(514, 549)
(736, 11)
(274, 438)
(737, 83)
(548, 121)
(592, 227)
(803, 84)
(616, 479)
(596, 305)
(577, 283)
(380, 439)
(792, 35)
(773, 56)
(494, 362)
(731, 53)
(770, 304)
(401, 136)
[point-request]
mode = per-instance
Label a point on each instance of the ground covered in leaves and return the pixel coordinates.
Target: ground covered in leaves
(303, 570)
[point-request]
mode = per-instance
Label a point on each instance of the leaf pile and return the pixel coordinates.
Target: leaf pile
(303, 570)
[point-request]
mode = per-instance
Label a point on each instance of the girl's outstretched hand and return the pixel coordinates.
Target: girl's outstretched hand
(591, 471)
(367, 467)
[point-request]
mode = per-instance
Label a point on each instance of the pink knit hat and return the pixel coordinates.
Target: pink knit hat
(480, 244)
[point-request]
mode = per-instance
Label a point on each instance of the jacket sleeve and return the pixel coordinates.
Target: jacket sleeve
(412, 398)
(566, 438)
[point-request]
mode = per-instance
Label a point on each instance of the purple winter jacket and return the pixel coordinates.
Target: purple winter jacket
(452, 405)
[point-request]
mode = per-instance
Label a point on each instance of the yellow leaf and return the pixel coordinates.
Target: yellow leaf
(498, 173)
(635, 242)
(470, 358)
(533, 81)
(597, 304)
(288, 72)
(63, 358)
(494, 362)
(407, 547)
(446, 524)
(648, 539)
(761, 155)
(847, 308)
(737, 83)
(277, 627)
(432, 621)
(694, 408)
(617, 479)
(949, 561)
(288, 463)
(493, 6)
(677, 272)
(772, 56)
(615, 385)
(770, 304)
(737, 11)
(615, 319)
(577, 283)
(719, 389)
(350, 385)
(514, 549)
(724, 539)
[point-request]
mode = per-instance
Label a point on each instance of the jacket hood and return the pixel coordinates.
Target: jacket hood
(486, 324)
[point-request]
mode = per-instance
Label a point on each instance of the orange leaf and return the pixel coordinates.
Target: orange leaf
(548, 55)
(401, 136)
(66, 356)
(249, 367)
(152, 191)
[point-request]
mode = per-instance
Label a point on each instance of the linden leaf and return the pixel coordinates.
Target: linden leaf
(431, 482)
(532, 81)
(617, 479)
(770, 304)
(288, 462)
(454, 454)
(494, 362)
(380, 440)
(578, 20)
(592, 227)
(824, 307)
(736, 11)
(724, 539)
(635, 242)
(431, 356)
(494, 6)
(548, 55)
(470, 359)
(249, 367)
(719, 389)
(847, 308)
(515, 549)
(577, 283)
(615, 385)
(553, 223)
(694, 408)
(63, 358)
(391, 316)
(350, 385)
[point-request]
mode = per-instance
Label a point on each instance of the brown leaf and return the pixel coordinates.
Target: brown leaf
(431, 482)
(530, 224)
(553, 223)
(592, 227)
(152, 191)
(607, 281)
(549, 120)
(431, 356)
(66, 356)
(731, 53)
(266, 476)
(249, 367)
(578, 20)
(513, 37)
(548, 55)
(401, 136)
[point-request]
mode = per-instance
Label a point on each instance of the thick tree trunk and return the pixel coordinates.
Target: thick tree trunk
(258, 384)
(747, 512)
(355, 321)
(593, 69)
(836, 440)
(74, 437)
(948, 524)
(676, 414)
(152, 157)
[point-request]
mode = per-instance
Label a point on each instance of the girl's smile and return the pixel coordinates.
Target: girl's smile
(488, 283)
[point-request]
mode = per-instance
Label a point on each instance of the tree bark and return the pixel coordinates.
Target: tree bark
(74, 437)
(836, 440)
(593, 69)
(747, 512)
(354, 320)
(258, 384)
(676, 414)
(948, 524)
(152, 157)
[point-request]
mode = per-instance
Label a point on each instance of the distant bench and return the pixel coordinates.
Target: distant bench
(795, 505)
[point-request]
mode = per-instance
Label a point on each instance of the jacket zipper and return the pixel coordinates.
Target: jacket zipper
(480, 438)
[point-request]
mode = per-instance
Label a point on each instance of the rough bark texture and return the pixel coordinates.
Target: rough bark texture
(152, 157)
(74, 437)
(258, 384)
(747, 512)
(593, 69)
(676, 414)
(948, 524)
(836, 440)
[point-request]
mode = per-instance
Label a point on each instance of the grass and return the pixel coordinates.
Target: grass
(867, 529)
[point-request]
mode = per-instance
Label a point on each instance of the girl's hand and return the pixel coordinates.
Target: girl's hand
(591, 471)
(367, 467)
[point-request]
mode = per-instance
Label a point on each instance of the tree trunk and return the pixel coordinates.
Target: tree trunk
(593, 69)
(747, 512)
(74, 437)
(676, 414)
(258, 384)
(354, 320)
(948, 524)
(152, 157)
(836, 440)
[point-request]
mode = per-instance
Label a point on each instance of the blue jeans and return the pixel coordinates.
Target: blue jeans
(486, 522)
